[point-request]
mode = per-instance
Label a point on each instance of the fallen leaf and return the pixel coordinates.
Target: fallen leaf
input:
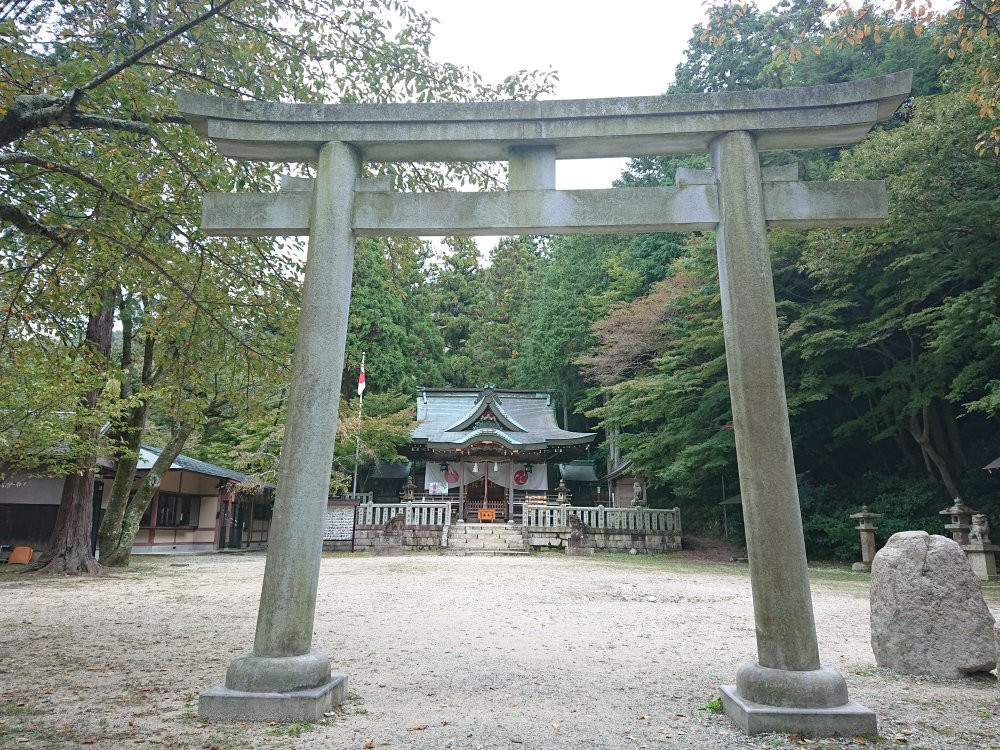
(417, 728)
(643, 717)
(21, 739)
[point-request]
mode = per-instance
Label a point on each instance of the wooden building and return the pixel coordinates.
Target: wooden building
(195, 508)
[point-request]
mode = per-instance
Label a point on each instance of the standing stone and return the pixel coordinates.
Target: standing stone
(928, 615)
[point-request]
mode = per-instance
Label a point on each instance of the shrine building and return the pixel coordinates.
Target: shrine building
(490, 448)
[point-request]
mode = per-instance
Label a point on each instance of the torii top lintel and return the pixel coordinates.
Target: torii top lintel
(811, 117)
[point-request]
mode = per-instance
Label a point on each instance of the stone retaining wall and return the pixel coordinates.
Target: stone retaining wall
(370, 538)
(337, 545)
(609, 540)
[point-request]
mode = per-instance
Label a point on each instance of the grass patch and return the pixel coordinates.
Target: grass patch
(667, 561)
(16, 708)
(294, 730)
(714, 706)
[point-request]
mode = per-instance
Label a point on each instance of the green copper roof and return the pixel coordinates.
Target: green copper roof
(462, 417)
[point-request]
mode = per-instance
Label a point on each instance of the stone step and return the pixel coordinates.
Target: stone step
(486, 539)
(460, 552)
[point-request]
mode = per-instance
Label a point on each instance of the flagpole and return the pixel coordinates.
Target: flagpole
(357, 437)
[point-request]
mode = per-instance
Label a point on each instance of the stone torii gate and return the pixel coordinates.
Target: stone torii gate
(786, 689)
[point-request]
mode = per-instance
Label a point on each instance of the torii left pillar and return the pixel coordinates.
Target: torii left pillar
(283, 679)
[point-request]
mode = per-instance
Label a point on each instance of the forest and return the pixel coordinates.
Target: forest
(121, 325)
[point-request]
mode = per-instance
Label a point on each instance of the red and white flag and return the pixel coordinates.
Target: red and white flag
(361, 379)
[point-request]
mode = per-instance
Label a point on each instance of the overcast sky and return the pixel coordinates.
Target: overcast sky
(599, 49)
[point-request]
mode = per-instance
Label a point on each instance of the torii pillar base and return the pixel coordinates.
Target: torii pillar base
(282, 689)
(309, 704)
(849, 720)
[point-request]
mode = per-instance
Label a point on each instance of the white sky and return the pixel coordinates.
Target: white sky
(599, 49)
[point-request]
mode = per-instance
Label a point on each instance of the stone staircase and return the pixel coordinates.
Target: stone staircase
(486, 539)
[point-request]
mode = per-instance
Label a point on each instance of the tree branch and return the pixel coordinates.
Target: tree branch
(149, 48)
(28, 225)
(23, 157)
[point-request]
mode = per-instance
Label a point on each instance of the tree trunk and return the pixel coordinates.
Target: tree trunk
(922, 436)
(131, 440)
(903, 442)
(121, 538)
(68, 550)
(954, 438)
(939, 435)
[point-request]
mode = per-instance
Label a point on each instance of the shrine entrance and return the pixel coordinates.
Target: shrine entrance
(482, 493)
(786, 689)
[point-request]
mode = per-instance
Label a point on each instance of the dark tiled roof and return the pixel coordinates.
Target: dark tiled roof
(578, 471)
(148, 454)
(386, 470)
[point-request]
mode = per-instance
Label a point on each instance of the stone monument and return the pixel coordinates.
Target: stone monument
(786, 689)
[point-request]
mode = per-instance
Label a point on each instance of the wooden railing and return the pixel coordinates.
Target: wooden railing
(414, 514)
(618, 519)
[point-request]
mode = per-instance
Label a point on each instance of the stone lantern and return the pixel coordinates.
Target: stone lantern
(867, 530)
(562, 493)
(409, 490)
(961, 521)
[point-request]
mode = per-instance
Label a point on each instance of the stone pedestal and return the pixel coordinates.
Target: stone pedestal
(983, 560)
(786, 690)
(283, 679)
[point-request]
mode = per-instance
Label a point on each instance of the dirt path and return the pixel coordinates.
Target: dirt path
(444, 652)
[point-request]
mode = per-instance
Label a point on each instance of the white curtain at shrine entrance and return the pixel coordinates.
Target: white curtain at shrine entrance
(497, 472)
(438, 481)
(535, 480)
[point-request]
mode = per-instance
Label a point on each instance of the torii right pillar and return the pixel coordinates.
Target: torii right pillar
(786, 689)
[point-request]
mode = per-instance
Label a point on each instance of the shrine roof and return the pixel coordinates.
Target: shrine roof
(519, 419)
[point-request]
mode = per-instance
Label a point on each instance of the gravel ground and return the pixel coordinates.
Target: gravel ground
(542, 652)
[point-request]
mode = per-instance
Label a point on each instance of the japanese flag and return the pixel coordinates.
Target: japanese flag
(361, 380)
